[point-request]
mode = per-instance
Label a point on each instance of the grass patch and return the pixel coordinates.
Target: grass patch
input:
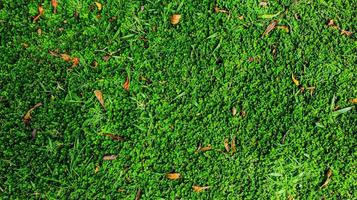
(184, 81)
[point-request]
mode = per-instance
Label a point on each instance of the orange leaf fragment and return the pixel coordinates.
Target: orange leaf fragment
(347, 33)
(175, 19)
(270, 27)
(99, 96)
(65, 57)
(40, 13)
(226, 144)
(126, 85)
(173, 176)
(199, 188)
(54, 4)
(27, 117)
(75, 61)
(110, 157)
(96, 169)
(207, 148)
(353, 100)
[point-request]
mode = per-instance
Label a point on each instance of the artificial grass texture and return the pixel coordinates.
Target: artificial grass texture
(184, 81)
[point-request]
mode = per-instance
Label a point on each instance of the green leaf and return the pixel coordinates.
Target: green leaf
(341, 111)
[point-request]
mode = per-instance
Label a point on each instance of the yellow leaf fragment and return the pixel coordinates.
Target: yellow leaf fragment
(296, 82)
(99, 6)
(199, 188)
(173, 176)
(175, 19)
(110, 157)
(226, 144)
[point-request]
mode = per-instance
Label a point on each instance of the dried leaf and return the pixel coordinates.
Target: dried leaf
(242, 113)
(207, 148)
(220, 10)
(126, 85)
(99, 96)
(347, 33)
(75, 61)
(296, 82)
(233, 145)
(54, 4)
(284, 28)
(263, 4)
(110, 157)
(173, 176)
(33, 134)
(53, 53)
(115, 137)
(138, 194)
(329, 173)
(270, 27)
(241, 17)
(41, 11)
(39, 31)
(27, 117)
(234, 111)
(175, 19)
(331, 22)
(25, 45)
(311, 89)
(96, 169)
(99, 6)
(199, 188)
(342, 111)
(94, 64)
(226, 144)
(353, 100)
(106, 57)
(65, 57)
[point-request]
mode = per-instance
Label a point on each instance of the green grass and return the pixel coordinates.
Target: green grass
(184, 82)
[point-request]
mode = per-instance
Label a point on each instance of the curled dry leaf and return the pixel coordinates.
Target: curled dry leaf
(138, 194)
(203, 149)
(332, 24)
(270, 27)
(96, 169)
(175, 19)
(263, 4)
(75, 61)
(54, 4)
(110, 157)
(328, 178)
(234, 111)
(346, 33)
(173, 176)
(65, 57)
(100, 98)
(284, 28)
(99, 6)
(241, 17)
(233, 145)
(41, 11)
(115, 137)
(296, 82)
(353, 100)
(126, 85)
(220, 10)
(27, 117)
(199, 188)
(226, 144)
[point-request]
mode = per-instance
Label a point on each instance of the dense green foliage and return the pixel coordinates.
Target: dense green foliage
(184, 81)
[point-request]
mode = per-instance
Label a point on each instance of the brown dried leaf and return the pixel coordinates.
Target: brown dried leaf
(284, 28)
(75, 61)
(199, 188)
(94, 64)
(106, 57)
(353, 100)
(126, 85)
(138, 194)
(270, 27)
(331, 22)
(329, 173)
(110, 157)
(39, 31)
(41, 11)
(27, 117)
(220, 10)
(115, 137)
(96, 169)
(207, 148)
(99, 6)
(54, 4)
(234, 111)
(347, 33)
(242, 113)
(99, 96)
(65, 57)
(263, 4)
(53, 53)
(328, 178)
(241, 17)
(311, 89)
(173, 176)
(226, 144)
(175, 19)
(233, 145)
(296, 82)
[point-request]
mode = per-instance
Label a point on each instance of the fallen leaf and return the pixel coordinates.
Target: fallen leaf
(39, 31)
(270, 27)
(233, 145)
(284, 28)
(207, 148)
(41, 11)
(33, 134)
(27, 117)
(241, 17)
(126, 85)
(138, 194)
(242, 113)
(342, 111)
(296, 82)
(332, 24)
(99, 6)
(226, 144)
(353, 100)
(329, 173)
(311, 89)
(219, 10)
(96, 169)
(54, 4)
(114, 137)
(94, 64)
(175, 19)
(99, 96)
(328, 178)
(75, 61)
(263, 4)
(347, 33)
(53, 53)
(325, 183)
(65, 57)
(199, 188)
(110, 157)
(173, 176)
(25, 45)
(234, 111)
